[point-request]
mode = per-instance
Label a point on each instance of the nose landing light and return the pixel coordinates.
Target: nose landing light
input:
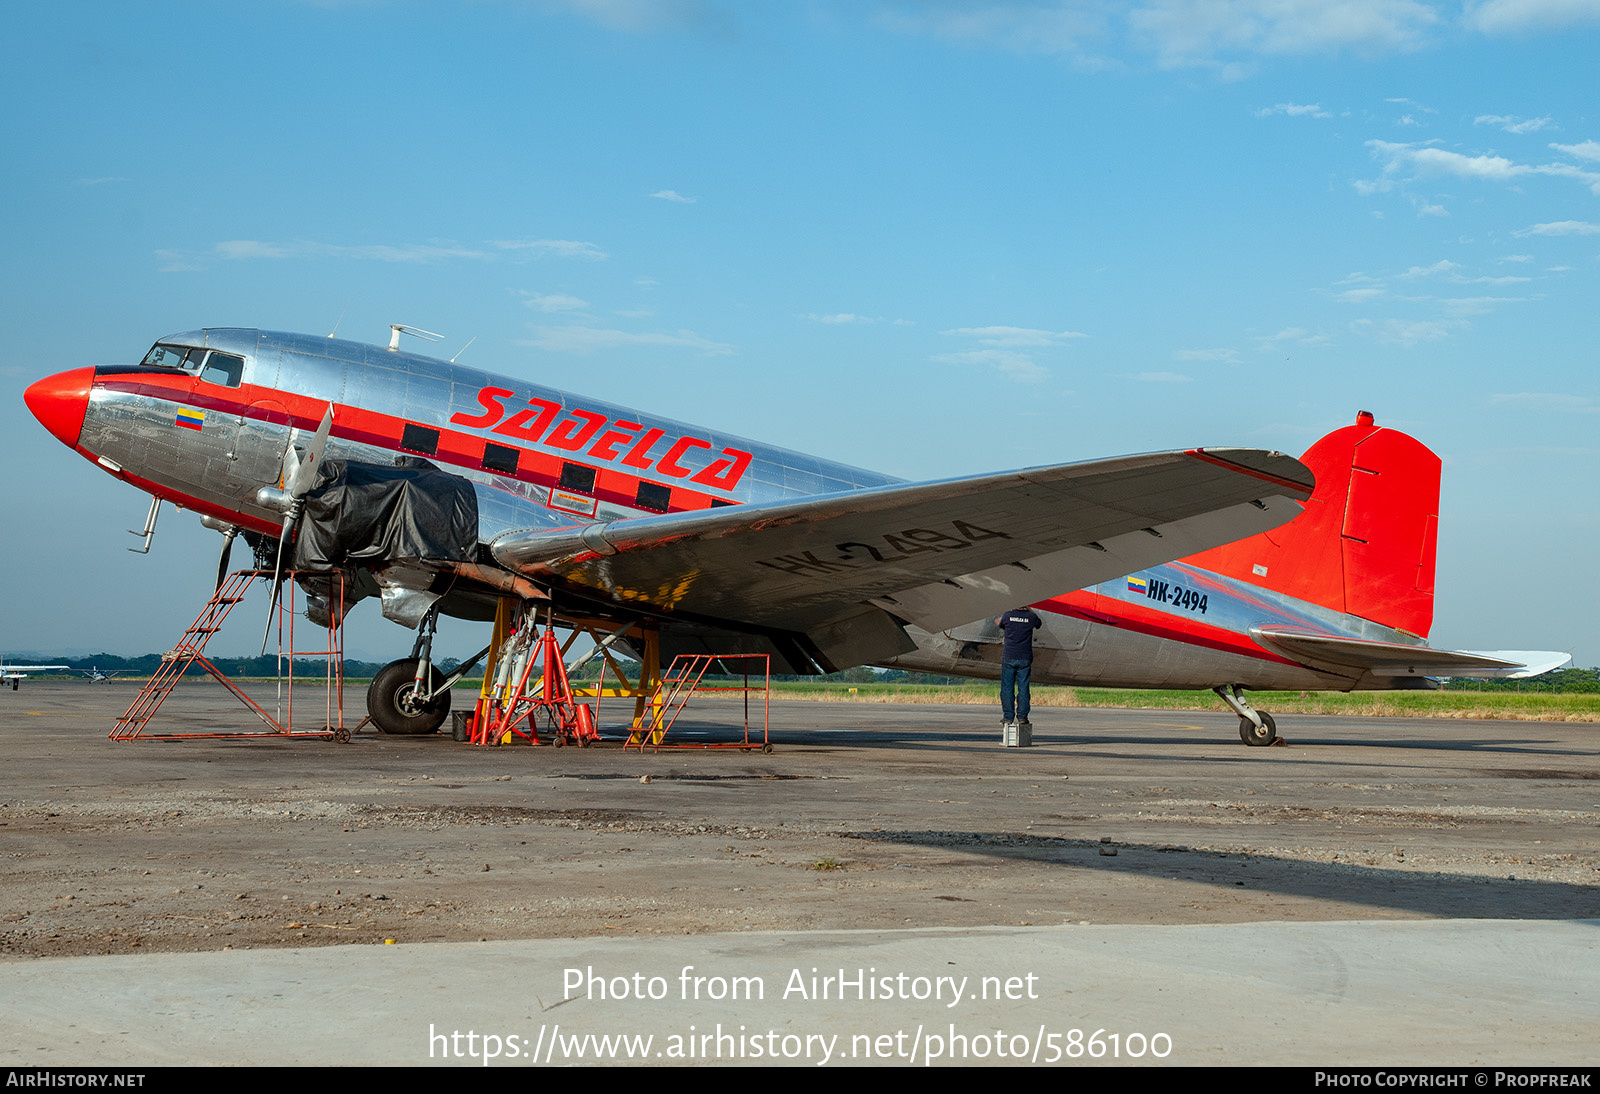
(59, 402)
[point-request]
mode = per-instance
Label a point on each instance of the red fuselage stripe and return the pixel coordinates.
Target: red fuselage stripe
(353, 423)
(1094, 608)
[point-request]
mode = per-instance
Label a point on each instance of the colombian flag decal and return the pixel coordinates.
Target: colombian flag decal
(1139, 585)
(190, 419)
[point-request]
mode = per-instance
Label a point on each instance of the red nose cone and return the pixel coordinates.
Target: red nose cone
(59, 403)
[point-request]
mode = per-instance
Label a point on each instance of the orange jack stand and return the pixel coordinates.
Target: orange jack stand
(551, 704)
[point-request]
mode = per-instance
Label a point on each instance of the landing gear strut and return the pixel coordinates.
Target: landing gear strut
(1256, 727)
(399, 706)
(411, 697)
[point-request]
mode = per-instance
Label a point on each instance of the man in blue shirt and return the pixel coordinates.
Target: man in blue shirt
(1016, 663)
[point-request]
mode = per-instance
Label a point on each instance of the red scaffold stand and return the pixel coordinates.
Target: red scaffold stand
(190, 650)
(513, 710)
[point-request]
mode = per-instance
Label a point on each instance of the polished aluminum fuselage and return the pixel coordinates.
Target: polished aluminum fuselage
(212, 446)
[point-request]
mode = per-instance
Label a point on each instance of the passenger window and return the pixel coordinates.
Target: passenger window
(224, 369)
(419, 438)
(498, 457)
(653, 496)
(575, 476)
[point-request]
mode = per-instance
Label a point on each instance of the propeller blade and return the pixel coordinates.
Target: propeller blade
(277, 572)
(227, 550)
(300, 467)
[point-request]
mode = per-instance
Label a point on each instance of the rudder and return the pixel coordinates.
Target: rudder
(1366, 541)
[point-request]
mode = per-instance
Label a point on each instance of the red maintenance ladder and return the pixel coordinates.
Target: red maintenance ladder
(190, 650)
(685, 679)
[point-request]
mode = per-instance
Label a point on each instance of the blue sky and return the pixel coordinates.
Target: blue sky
(928, 238)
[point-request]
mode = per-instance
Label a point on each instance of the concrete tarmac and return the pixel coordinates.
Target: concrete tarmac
(1377, 892)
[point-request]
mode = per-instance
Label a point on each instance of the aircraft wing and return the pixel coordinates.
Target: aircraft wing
(843, 569)
(1394, 659)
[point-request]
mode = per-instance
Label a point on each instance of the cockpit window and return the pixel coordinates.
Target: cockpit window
(171, 356)
(222, 368)
(212, 366)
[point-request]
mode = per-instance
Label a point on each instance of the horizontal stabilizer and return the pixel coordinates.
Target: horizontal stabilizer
(1328, 651)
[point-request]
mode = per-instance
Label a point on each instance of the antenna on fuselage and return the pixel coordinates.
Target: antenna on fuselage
(342, 314)
(463, 349)
(397, 329)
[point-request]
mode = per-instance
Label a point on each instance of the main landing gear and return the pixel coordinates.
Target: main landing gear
(411, 697)
(1256, 727)
(406, 702)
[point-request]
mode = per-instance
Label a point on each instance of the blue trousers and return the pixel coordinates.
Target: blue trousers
(1014, 676)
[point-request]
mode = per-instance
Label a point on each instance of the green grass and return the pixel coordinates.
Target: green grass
(1515, 705)
(1511, 705)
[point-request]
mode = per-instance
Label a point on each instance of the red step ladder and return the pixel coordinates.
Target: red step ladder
(190, 650)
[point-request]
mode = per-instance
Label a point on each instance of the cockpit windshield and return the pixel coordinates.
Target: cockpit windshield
(211, 366)
(174, 357)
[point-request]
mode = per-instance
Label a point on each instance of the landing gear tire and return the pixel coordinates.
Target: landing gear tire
(1250, 735)
(392, 702)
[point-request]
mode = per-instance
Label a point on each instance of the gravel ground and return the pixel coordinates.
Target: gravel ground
(897, 815)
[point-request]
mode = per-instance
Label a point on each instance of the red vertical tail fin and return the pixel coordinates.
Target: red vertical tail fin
(1365, 543)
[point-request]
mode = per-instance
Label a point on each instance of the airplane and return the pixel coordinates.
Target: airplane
(15, 674)
(438, 487)
(94, 675)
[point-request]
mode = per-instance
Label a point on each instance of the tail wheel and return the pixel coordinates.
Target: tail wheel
(1265, 734)
(394, 705)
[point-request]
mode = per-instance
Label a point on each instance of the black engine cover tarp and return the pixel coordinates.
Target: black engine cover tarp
(364, 514)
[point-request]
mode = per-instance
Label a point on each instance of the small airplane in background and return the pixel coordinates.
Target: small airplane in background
(15, 674)
(95, 676)
(446, 488)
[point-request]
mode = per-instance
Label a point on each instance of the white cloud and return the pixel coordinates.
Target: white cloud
(553, 302)
(1402, 100)
(1517, 258)
(1584, 150)
(1512, 124)
(1444, 265)
(1016, 336)
(433, 251)
(1019, 25)
(1510, 16)
(1506, 280)
(251, 248)
(673, 195)
(1547, 401)
(1476, 305)
(1298, 335)
(555, 248)
(1561, 228)
(1228, 355)
(1405, 332)
(840, 318)
(1360, 296)
(102, 180)
(176, 262)
(1016, 366)
(1188, 31)
(1293, 110)
(1164, 378)
(1425, 159)
(579, 339)
(651, 16)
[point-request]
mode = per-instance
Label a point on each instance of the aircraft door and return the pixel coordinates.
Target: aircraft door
(256, 454)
